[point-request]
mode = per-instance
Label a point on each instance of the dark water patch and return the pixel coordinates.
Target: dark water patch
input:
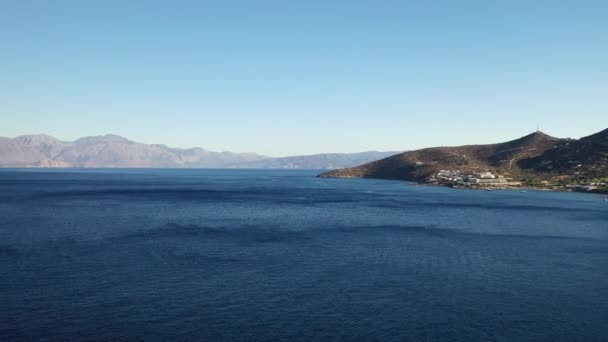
(277, 196)
(441, 232)
(400, 204)
(8, 251)
(150, 193)
(243, 234)
(399, 229)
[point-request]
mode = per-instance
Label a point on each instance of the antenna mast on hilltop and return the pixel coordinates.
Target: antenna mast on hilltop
(537, 128)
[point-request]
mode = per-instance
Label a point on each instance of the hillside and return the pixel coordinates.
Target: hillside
(537, 155)
(583, 158)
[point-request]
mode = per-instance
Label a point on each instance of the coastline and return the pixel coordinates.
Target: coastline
(579, 188)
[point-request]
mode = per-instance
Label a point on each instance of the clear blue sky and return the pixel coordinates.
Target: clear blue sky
(293, 77)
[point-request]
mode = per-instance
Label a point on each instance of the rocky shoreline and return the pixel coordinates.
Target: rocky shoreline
(497, 182)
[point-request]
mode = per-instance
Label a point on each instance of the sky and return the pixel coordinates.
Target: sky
(299, 77)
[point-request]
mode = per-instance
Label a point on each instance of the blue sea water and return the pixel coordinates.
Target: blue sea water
(245, 255)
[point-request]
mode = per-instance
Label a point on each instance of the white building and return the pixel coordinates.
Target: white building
(486, 175)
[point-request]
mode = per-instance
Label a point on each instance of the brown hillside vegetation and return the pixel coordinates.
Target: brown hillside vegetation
(521, 158)
(586, 157)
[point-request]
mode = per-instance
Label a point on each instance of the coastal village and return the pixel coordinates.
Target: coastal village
(485, 179)
(490, 180)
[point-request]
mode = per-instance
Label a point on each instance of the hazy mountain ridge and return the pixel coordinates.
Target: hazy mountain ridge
(108, 151)
(113, 151)
(318, 161)
(536, 155)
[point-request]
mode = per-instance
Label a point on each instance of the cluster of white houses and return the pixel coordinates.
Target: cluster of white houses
(471, 179)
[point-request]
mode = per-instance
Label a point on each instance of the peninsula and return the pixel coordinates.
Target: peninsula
(535, 160)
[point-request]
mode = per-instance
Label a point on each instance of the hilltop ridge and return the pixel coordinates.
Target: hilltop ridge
(587, 156)
(419, 164)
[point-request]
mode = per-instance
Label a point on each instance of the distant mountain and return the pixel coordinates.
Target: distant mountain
(536, 155)
(317, 161)
(113, 151)
(108, 151)
(30, 150)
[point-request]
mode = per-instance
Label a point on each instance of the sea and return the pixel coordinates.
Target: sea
(281, 255)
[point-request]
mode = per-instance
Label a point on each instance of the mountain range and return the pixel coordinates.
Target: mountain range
(113, 151)
(536, 156)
